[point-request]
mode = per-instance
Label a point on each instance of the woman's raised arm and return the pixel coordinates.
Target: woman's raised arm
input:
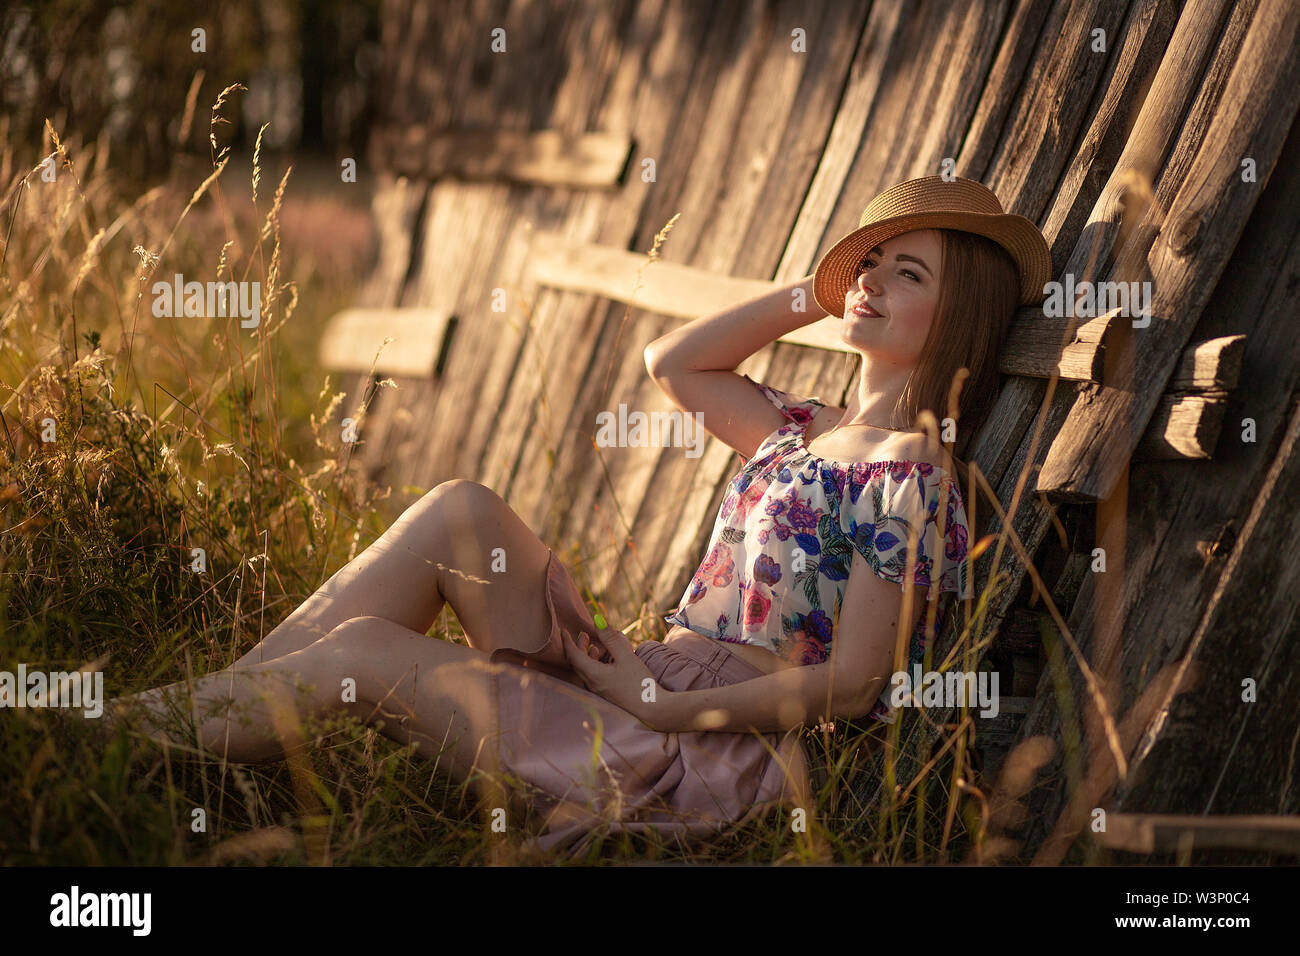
(725, 339)
(694, 365)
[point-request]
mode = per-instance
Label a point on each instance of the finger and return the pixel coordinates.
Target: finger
(571, 652)
(596, 648)
(615, 643)
(589, 647)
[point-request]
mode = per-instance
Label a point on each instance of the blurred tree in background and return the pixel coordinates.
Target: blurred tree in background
(127, 75)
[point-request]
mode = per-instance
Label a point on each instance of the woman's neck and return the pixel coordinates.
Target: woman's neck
(880, 383)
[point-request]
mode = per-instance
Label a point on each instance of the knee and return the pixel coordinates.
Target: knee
(463, 492)
(353, 626)
(368, 638)
(343, 642)
(348, 650)
(457, 500)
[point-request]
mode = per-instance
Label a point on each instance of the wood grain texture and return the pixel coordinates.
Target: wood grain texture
(1211, 754)
(1195, 237)
(1152, 832)
(545, 157)
(354, 337)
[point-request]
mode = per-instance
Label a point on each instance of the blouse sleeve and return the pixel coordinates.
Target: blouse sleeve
(879, 510)
(796, 409)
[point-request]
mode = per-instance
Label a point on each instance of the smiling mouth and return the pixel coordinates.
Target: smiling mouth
(861, 308)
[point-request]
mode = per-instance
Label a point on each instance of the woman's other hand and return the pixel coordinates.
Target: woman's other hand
(608, 666)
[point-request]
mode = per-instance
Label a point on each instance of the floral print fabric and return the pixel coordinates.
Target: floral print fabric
(783, 542)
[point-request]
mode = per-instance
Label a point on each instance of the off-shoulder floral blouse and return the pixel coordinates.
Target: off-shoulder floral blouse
(783, 542)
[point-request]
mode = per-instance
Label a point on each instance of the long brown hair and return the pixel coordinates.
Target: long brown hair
(979, 291)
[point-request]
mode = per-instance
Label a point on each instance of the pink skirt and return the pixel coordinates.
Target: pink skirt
(695, 783)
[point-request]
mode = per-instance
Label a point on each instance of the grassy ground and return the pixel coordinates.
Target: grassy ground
(132, 440)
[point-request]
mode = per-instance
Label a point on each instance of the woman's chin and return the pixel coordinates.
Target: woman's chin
(851, 335)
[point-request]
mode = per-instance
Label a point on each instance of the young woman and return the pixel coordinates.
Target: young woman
(796, 614)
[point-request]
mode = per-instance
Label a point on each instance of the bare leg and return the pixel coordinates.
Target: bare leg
(430, 693)
(440, 549)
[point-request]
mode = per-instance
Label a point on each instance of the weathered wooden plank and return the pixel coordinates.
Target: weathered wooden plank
(1033, 346)
(353, 336)
(464, 226)
(1204, 221)
(1014, 705)
(396, 206)
(1014, 53)
(1201, 752)
(434, 56)
(1186, 425)
(1190, 415)
(842, 145)
(1212, 364)
(668, 288)
(459, 221)
(566, 329)
(1064, 80)
(598, 487)
(593, 342)
(1156, 832)
(713, 167)
(473, 235)
(1105, 151)
(545, 157)
(1004, 445)
(1181, 512)
(506, 365)
(1011, 436)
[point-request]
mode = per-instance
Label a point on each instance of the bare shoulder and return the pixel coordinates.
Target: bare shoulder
(915, 446)
(897, 446)
(868, 444)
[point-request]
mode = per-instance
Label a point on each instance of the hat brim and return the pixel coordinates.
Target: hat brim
(837, 272)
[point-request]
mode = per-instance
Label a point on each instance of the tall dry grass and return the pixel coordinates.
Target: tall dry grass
(131, 440)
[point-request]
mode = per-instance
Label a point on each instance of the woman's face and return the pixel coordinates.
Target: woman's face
(899, 279)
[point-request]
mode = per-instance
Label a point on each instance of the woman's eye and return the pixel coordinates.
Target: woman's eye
(866, 264)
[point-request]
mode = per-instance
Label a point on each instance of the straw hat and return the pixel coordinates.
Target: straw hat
(933, 203)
